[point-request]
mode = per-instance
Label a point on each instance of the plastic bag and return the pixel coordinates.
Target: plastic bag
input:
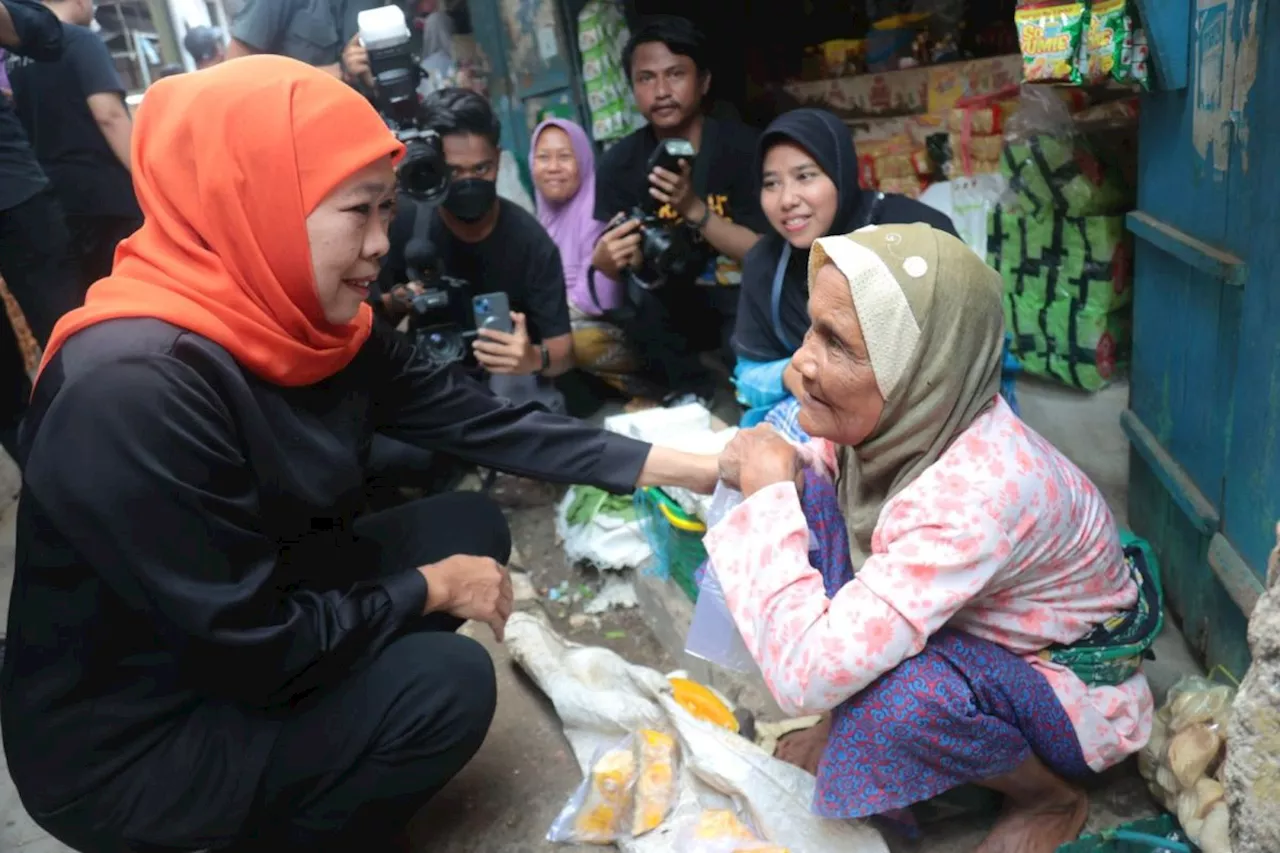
(721, 831)
(1183, 758)
(600, 698)
(713, 635)
(629, 791)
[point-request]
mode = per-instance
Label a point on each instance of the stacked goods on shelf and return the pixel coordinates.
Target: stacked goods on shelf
(1059, 241)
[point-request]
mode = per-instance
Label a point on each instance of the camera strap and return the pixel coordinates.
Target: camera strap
(702, 162)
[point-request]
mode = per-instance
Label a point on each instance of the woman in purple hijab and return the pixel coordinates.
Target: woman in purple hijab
(564, 177)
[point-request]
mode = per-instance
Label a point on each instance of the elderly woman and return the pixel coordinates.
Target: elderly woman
(972, 559)
(211, 643)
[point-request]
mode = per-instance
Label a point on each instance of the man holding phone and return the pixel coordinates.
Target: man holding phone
(497, 248)
(717, 196)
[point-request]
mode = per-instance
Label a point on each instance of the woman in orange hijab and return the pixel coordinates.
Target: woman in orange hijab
(208, 644)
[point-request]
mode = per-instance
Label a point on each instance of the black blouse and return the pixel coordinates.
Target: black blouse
(182, 534)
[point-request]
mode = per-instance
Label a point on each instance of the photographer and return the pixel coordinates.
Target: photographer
(717, 197)
(34, 259)
(495, 247)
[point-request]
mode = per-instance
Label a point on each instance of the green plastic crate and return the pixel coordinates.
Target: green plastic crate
(1140, 836)
(675, 537)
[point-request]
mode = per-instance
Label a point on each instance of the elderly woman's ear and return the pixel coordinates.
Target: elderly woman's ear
(759, 457)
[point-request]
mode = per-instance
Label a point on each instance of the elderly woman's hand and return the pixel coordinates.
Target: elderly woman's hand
(759, 457)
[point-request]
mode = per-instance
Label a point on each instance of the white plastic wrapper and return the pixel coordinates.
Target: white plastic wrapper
(601, 698)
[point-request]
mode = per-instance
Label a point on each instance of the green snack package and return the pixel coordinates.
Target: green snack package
(1050, 37)
(1101, 48)
(1132, 59)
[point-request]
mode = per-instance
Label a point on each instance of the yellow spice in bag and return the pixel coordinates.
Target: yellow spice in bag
(656, 785)
(612, 778)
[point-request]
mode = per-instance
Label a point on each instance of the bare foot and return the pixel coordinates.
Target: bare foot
(1042, 811)
(804, 748)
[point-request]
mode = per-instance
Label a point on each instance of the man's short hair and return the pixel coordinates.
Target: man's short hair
(679, 35)
(203, 43)
(455, 111)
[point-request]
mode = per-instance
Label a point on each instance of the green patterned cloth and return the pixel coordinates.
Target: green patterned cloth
(1114, 651)
(1067, 293)
(602, 33)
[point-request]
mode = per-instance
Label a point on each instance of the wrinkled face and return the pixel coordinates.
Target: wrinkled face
(840, 400)
(798, 198)
(668, 88)
(348, 236)
(555, 167)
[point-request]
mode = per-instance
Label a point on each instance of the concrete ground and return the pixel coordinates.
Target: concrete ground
(508, 796)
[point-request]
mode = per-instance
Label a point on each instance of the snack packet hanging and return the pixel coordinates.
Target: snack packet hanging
(629, 791)
(1050, 37)
(720, 831)
(1100, 52)
(1132, 62)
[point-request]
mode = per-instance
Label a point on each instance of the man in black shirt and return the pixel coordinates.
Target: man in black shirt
(33, 236)
(719, 198)
(494, 246)
(74, 113)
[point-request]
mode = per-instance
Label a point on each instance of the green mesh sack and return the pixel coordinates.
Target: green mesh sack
(1067, 174)
(1067, 284)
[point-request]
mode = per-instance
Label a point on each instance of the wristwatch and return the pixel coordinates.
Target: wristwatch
(546, 358)
(706, 217)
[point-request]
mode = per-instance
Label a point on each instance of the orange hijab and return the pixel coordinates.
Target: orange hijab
(227, 164)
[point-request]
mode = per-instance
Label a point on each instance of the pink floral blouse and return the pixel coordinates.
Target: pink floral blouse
(1002, 537)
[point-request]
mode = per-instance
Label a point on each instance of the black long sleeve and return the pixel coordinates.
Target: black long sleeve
(39, 31)
(446, 410)
(175, 529)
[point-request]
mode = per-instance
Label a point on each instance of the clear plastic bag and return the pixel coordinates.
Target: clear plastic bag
(722, 831)
(629, 791)
(713, 635)
(1181, 761)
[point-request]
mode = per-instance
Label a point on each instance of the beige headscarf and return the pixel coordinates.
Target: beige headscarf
(932, 317)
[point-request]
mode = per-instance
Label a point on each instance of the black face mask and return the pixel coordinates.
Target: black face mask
(471, 198)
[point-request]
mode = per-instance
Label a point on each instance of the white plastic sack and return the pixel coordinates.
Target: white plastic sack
(600, 698)
(606, 542)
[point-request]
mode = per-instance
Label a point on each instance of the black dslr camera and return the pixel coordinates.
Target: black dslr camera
(423, 173)
(440, 319)
(667, 249)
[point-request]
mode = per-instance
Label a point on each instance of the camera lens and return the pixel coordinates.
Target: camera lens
(483, 306)
(422, 172)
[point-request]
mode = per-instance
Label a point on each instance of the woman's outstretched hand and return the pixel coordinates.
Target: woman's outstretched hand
(759, 457)
(469, 587)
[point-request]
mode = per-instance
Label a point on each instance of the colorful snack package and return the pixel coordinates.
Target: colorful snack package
(1100, 51)
(1133, 58)
(1050, 37)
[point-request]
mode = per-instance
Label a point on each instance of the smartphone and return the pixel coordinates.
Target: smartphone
(493, 311)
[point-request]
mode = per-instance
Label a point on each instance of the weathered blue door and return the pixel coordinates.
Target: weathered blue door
(530, 46)
(1205, 402)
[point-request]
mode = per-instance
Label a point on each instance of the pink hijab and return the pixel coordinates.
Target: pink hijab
(573, 225)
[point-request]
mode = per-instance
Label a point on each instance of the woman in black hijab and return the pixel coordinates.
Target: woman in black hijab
(809, 189)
